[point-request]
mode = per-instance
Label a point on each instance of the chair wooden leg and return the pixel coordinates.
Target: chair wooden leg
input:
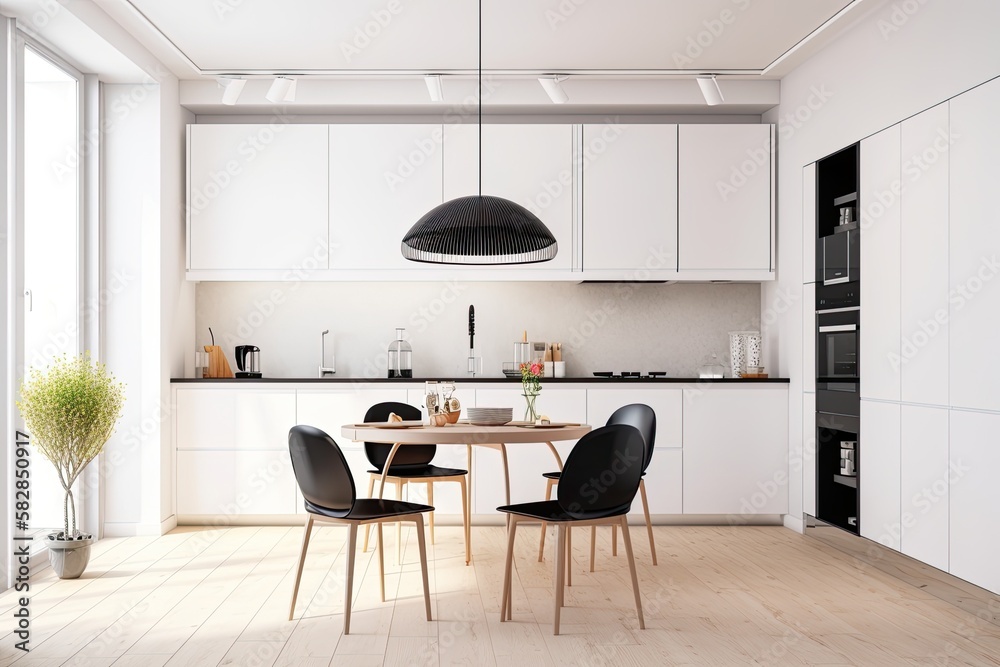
(541, 540)
(614, 539)
(371, 489)
(399, 525)
(631, 569)
(593, 545)
(422, 547)
(569, 556)
(560, 574)
(430, 501)
(380, 547)
(465, 517)
(302, 561)
(508, 570)
(649, 524)
(352, 545)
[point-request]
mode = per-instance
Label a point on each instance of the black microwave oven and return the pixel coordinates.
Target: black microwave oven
(838, 256)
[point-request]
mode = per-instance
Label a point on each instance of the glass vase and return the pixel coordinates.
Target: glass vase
(530, 413)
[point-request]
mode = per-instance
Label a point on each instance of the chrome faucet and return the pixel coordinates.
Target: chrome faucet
(323, 369)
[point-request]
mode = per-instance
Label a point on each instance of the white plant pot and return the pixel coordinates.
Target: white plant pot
(69, 558)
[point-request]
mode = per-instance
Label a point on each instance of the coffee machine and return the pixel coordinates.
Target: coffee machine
(248, 361)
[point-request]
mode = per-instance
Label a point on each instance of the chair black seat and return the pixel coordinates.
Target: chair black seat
(557, 475)
(365, 509)
(422, 471)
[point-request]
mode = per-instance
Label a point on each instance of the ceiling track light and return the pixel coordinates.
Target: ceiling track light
(282, 90)
(710, 89)
(434, 87)
(553, 88)
(232, 88)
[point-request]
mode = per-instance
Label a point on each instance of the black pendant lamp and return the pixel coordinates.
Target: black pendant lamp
(479, 229)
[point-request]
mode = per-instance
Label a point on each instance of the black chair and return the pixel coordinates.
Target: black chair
(327, 486)
(643, 418)
(412, 463)
(598, 484)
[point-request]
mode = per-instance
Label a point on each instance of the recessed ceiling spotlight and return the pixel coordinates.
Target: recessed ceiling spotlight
(434, 87)
(553, 88)
(710, 89)
(282, 90)
(232, 87)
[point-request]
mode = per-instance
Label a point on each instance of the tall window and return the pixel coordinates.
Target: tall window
(51, 180)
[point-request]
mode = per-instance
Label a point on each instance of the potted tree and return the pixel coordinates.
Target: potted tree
(70, 410)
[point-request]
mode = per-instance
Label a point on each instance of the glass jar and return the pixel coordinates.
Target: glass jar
(400, 357)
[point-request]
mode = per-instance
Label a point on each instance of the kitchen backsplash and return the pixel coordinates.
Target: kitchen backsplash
(616, 326)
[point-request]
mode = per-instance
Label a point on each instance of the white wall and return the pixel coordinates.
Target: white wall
(631, 327)
(901, 58)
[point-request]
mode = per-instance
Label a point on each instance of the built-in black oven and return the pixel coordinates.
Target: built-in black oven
(838, 323)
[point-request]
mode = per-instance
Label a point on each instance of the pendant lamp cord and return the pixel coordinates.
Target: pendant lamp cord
(480, 80)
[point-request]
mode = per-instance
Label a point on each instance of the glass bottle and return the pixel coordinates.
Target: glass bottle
(400, 357)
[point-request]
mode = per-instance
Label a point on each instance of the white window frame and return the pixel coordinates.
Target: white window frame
(13, 42)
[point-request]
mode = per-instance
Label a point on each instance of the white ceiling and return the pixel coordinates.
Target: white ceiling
(328, 36)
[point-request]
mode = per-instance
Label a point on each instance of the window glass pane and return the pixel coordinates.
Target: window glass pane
(51, 242)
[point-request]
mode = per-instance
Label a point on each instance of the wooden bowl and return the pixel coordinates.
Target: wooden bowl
(453, 416)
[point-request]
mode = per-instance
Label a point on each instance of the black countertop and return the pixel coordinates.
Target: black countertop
(463, 380)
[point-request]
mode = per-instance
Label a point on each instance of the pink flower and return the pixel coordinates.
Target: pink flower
(536, 369)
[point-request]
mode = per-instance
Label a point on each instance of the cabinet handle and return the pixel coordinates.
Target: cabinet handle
(28, 300)
(839, 327)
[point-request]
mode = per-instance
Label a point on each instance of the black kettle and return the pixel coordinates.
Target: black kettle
(248, 361)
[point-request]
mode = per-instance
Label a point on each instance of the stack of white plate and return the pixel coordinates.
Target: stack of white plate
(489, 416)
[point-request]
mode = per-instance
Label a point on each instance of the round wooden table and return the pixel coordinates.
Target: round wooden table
(470, 435)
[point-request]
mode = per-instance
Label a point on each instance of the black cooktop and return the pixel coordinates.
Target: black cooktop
(629, 375)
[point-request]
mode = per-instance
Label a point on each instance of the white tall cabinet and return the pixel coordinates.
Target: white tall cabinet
(924, 484)
(725, 196)
(383, 178)
(257, 196)
(975, 249)
(630, 196)
(880, 215)
(974, 527)
(879, 449)
(924, 276)
(532, 165)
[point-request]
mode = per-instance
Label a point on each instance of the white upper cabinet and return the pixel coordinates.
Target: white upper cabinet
(924, 263)
(532, 165)
(257, 196)
(975, 248)
(629, 197)
(880, 265)
(879, 470)
(725, 197)
(809, 223)
(383, 178)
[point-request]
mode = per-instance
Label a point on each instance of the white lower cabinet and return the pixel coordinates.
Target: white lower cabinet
(879, 449)
(234, 484)
(527, 461)
(974, 526)
(664, 483)
(736, 450)
(924, 484)
(720, 449)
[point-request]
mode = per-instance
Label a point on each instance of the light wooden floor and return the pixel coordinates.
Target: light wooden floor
(720, 596)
